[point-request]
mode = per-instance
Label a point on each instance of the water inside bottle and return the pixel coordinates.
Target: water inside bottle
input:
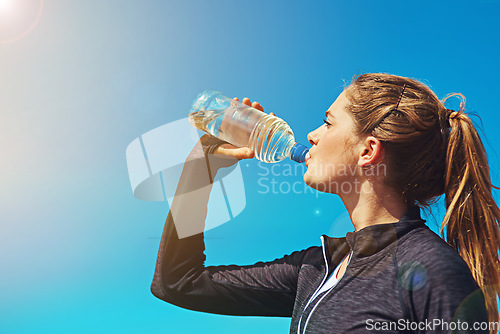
(268, 136)
(234, 124)
(206, 120)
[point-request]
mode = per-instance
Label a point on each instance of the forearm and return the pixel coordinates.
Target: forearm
(182, 279)
(181, 246)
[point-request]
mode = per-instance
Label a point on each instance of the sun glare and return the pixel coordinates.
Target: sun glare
(5, 5)
(18, 18)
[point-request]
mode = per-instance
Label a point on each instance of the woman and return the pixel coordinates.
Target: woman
(402, 148)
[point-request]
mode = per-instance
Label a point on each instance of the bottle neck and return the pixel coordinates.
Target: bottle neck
(298, 152)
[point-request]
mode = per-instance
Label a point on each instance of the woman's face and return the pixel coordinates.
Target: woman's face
(333, 166)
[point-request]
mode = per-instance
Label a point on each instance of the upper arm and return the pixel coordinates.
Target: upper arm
(264, 288)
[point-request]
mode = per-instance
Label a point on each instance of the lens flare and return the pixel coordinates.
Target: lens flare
(18, 18)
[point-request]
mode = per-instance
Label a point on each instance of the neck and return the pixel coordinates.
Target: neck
(374, 204)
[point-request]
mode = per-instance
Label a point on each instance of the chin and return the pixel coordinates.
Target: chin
(318, 184)
(308, 179)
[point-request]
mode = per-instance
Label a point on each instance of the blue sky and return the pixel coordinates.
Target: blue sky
(85, 78)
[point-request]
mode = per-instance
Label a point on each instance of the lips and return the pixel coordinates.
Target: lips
(307, 161)
(308, 157)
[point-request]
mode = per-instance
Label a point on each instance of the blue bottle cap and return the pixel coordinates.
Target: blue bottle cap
(299, 152)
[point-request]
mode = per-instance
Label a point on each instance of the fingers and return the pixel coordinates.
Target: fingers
(255, 104)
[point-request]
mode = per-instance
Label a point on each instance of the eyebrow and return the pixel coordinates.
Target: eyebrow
(328, 113)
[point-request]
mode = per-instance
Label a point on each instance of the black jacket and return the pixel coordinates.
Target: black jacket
(401, 276)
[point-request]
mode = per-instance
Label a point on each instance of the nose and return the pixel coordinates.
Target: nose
(313, 137)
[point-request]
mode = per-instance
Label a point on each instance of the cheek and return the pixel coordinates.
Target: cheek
(331, 148)
(335, 160)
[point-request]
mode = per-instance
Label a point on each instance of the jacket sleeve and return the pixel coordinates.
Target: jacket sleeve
(180, 278)
(262, 289)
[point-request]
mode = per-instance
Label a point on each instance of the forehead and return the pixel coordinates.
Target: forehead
(338, 108)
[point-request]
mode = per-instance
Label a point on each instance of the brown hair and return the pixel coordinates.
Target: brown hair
(431, 150)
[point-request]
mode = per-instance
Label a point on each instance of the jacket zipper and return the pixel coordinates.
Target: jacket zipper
(319, 287)
(326, 293)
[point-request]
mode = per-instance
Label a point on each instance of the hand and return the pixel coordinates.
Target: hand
(229, 150)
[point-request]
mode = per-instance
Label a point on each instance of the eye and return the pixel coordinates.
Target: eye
(328, 124)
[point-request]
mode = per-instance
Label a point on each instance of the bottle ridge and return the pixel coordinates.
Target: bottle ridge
(270, 137)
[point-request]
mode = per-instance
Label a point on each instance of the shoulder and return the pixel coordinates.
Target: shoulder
(424, 247)
(434, 279)
(311, 256)
(426, 261)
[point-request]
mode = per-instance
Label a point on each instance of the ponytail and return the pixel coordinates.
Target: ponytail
(406, 116)
(472, 216)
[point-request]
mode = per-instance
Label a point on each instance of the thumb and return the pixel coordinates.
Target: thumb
(233, 151)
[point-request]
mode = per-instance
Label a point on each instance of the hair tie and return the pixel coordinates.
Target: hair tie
(450, 114)
(446, 126)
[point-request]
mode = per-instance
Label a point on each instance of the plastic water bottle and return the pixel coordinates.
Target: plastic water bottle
(268, 136)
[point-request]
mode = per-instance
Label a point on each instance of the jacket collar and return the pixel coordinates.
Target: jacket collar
(372, 239)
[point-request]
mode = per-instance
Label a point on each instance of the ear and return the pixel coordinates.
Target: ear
(371, 152)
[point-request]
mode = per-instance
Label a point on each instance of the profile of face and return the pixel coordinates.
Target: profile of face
(335, 164)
